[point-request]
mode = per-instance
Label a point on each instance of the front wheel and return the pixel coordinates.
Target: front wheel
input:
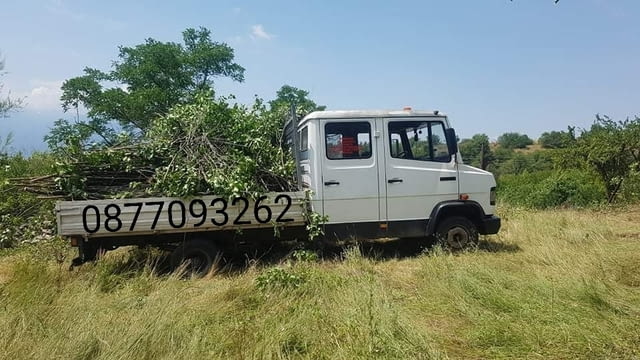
(457, 233)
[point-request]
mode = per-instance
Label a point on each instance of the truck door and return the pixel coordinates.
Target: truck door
(349, 171)
(419, 170)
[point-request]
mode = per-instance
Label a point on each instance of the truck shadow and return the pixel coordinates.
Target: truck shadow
(490, 245)
(411, 248)
(237, 262)
(388, 249)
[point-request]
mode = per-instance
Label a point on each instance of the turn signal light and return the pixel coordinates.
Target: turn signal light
(464, 196)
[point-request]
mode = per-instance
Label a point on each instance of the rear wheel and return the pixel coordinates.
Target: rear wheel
(457, 233)
(198, 256)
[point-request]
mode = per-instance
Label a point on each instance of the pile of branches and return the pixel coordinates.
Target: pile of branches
(83, 180)
(204, 147)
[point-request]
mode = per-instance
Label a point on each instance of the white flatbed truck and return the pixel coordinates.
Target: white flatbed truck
(374, 174)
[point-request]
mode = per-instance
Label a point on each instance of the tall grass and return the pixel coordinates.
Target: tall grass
(552, 284)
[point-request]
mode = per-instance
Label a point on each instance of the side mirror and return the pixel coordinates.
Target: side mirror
(452, 141)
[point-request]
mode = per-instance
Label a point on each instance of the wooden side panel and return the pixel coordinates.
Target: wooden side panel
(115, 217)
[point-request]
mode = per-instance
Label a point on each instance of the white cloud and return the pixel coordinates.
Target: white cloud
(43, 95)
(258, 32)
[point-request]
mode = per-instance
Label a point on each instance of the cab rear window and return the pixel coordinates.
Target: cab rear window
(348, 140)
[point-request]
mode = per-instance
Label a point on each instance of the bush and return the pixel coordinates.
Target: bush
(556, 139)
(23, 216)
(514, 140)
(547, 189)
(630, 190)
(519, 163)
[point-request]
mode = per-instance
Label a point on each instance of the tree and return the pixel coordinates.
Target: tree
(7, 104)
(519, 163)
(557, 139)
(288, 95)
(477, 151)
(514, 140)
(611, 148)
(149, 79)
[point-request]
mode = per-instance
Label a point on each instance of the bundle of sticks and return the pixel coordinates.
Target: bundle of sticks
(96, 183)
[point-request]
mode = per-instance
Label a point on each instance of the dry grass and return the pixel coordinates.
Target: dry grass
(530, 149)
(552, 284)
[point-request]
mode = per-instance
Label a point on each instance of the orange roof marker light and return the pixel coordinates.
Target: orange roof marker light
(407, 108)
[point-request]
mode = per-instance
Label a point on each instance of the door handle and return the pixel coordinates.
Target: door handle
(448, 178)
(331, 182)
(394, 180)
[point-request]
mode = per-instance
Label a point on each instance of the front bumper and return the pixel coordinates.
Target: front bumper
(489, 225)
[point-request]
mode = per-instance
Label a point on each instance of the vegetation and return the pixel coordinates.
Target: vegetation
(148, 80)
(477, 151)
(160, 129)
(557, 139)
(207, 146)
(24, 218)
(288, 95)
(569, 291)
(513, 140)
(611, 149)
(581, 169)
(544, 189)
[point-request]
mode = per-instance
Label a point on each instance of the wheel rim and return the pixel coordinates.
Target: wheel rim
(457, 237)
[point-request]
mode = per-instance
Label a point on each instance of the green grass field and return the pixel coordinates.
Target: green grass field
(553, 284)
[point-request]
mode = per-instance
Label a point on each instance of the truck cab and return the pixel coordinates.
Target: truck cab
(393, 174)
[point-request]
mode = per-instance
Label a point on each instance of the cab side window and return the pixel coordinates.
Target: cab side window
(348, 140)
(304, 143)
(418, 140)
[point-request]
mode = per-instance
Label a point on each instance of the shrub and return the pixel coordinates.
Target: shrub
(546, 189)
(514, 140)
(24, 217)
(557, 139)
(280, 278)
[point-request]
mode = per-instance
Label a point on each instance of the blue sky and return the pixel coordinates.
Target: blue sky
(493, 65)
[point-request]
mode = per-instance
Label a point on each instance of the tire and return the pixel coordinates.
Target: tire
(457, 233)
(198, 256)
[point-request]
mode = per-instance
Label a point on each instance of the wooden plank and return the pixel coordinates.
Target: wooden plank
(115, 217)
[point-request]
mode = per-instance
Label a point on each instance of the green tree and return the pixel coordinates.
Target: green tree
(477, 151)
(149, 79)
(611, 148)
(557, 139)
(514, 140)
(519, 163)
(288, 95)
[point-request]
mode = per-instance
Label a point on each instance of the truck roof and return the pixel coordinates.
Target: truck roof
(346, 114)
